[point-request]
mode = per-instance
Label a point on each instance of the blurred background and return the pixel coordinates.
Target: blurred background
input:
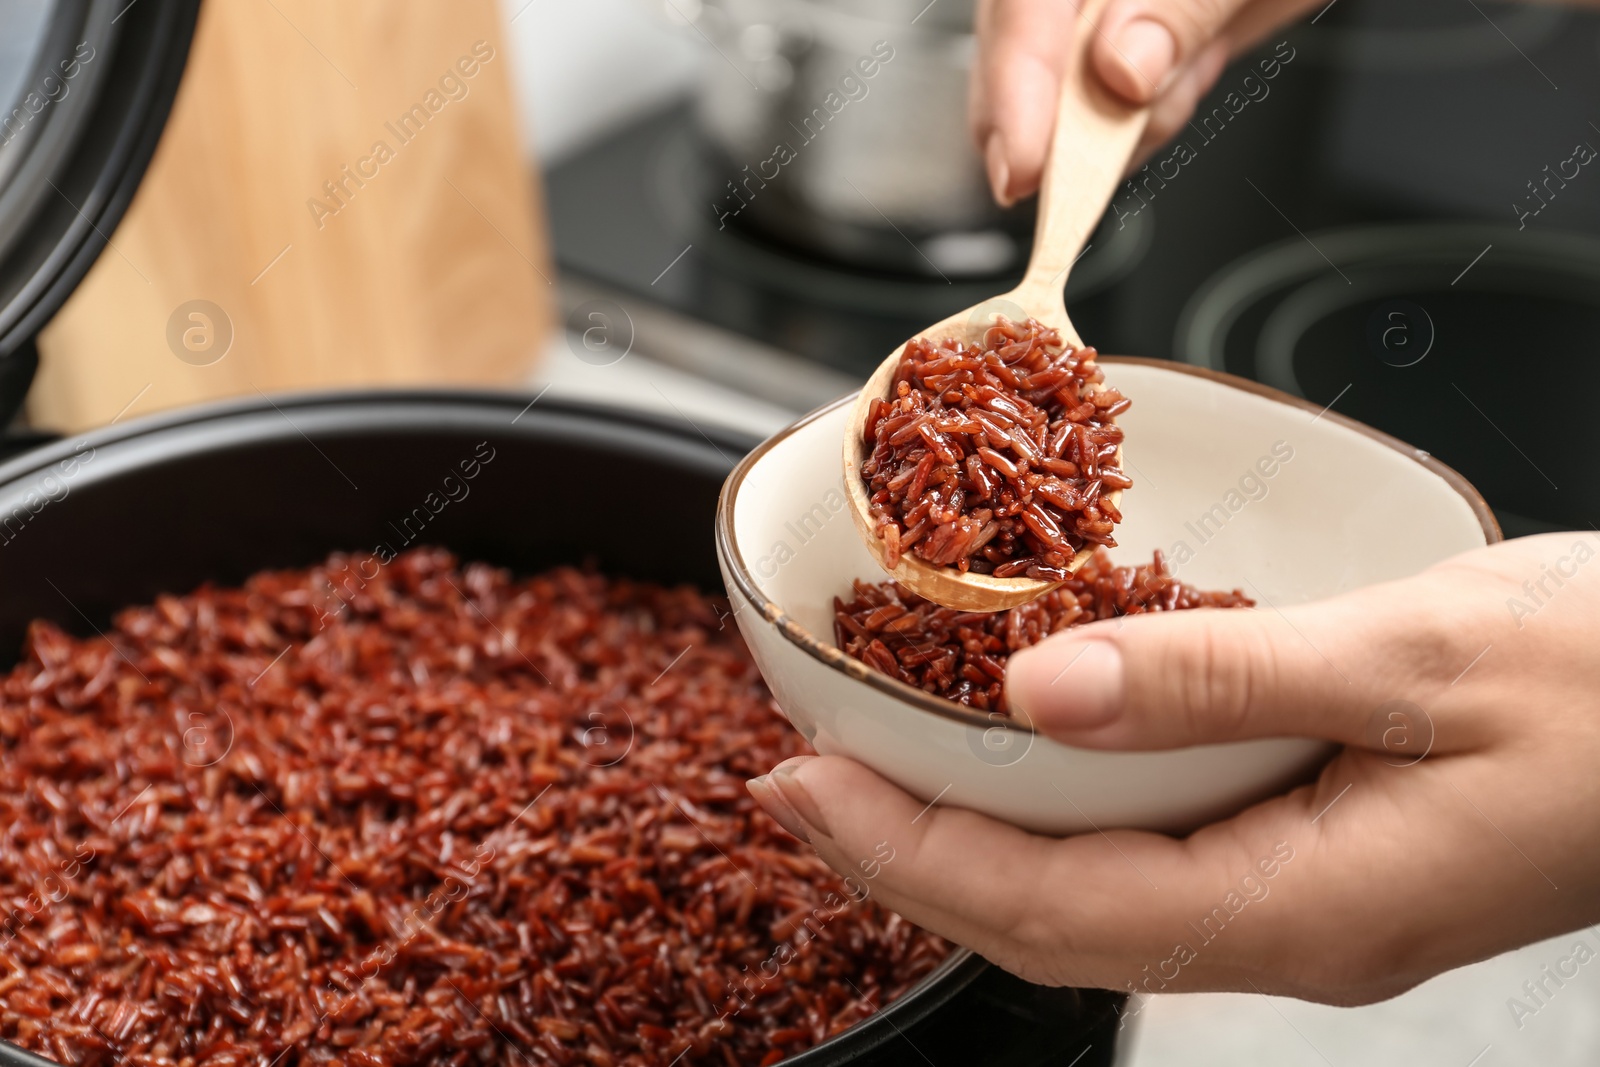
(1384, 221)
(710, 208)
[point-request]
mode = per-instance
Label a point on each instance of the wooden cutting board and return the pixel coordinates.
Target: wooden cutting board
(339, 199)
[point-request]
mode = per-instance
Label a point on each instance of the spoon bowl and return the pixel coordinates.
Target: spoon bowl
(1095, 135)
(968, 591)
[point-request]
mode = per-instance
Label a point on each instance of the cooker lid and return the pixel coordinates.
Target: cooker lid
(85, 89)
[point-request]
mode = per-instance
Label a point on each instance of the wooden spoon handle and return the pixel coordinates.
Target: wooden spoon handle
(1095, 135)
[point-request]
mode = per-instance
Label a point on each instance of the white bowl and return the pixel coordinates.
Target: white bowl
(1199, 446)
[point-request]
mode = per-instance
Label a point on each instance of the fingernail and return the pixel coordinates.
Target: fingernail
(776, 806)
(994, 158)
(1067, 689)
(1149, 49)
(783, 778)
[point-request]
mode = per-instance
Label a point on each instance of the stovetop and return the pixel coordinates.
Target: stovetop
(633, 214)
(1379, 115)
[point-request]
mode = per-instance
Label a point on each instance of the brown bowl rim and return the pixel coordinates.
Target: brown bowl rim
(833, 657)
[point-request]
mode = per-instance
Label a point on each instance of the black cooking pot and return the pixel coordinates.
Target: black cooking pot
(114, 517)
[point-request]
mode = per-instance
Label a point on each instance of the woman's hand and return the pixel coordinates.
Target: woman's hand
(1166, 53)
(1458, 821)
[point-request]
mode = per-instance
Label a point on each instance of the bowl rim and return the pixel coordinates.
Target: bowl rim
(831, 656)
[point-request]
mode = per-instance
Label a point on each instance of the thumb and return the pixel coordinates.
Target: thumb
(1171, 679)
(1143, 45)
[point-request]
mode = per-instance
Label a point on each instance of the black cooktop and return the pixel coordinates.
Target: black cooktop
(633, 213)
(1395, 143)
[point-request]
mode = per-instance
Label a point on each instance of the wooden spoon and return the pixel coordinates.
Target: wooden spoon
(1095, 135)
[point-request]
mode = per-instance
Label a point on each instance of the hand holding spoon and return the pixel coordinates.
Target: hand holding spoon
(1095, 134)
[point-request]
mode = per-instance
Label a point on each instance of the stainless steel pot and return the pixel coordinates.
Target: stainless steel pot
(843, 130)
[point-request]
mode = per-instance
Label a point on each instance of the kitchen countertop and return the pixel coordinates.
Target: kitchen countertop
(639, 381)
(1463, 1018)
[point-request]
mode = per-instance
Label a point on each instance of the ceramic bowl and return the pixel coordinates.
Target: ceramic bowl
(1240, 485)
